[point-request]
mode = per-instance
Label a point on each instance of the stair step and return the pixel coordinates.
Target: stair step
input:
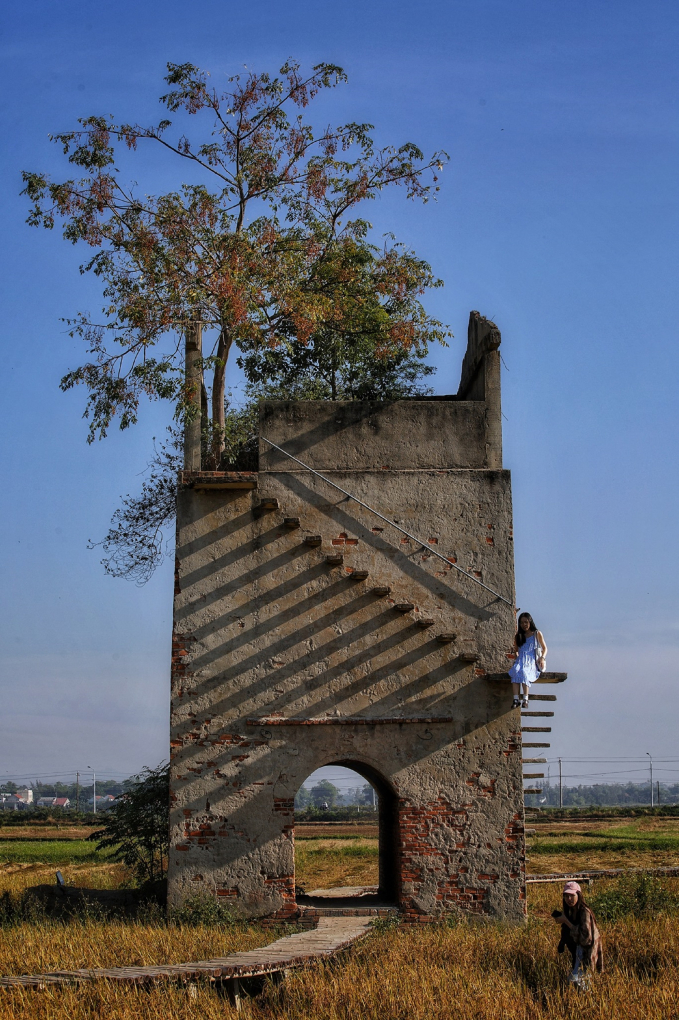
(525, 743)
(532, 789)
(359, 575)
(313, 540)
(536, 729)
(267, 503)
(334, 559)
(424, 622)
(533, 761)
(533, 775)
(468, 656)
(291, 522)
(445, 639)
(373, 911)
(542, 697)
(382, 589)
(533, 715)
(404, 607)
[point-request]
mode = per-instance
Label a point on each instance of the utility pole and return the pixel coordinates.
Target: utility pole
(651, 777)
(94, 790)
(658, 798)
(77, 791)
(560, 786)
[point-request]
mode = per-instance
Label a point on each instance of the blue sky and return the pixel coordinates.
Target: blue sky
(557, 217)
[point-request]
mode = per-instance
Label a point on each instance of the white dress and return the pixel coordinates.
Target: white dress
(524, 669)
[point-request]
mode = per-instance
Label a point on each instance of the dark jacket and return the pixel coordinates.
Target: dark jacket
(585, 934)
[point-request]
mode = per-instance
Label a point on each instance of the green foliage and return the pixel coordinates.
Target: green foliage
(597, 811)
(203, 909)
(137, 828)
(339, 371)
(47, 817)
(603, 795)
(135, 544)
(302, 798)
(67, 851)
(371, 348)
(324, 794)
(241, 436)
(641, 895)
(385, 925)
(609, 840)
(267, 251)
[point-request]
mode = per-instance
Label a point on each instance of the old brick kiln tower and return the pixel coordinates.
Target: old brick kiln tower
(309, 632)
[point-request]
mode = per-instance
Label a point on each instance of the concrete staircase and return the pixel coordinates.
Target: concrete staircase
(334, 560)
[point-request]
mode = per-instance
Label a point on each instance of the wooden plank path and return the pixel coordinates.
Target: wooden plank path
(589, 876)
(331, 935)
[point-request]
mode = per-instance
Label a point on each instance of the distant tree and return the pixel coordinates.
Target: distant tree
(302, 798)
(137, 829)
(366, 795)
(603, 795)
(324, 793)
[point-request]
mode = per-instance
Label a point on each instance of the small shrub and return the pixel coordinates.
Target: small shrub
(203, 910)
(640, 895)
(386, 924)
(136, 829)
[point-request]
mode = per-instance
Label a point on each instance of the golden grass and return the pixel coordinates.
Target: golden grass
(32, 947)
(22, 832)
(329, 863)
(462, 972)
(485, 973)
(15, 878)
(598, 860)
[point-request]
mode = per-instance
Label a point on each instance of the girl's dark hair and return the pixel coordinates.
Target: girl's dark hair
(520, 636)
(576, 914)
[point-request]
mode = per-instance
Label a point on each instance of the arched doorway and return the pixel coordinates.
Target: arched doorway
(357, 825)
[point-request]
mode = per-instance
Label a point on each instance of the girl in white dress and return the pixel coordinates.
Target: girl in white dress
(531, 654)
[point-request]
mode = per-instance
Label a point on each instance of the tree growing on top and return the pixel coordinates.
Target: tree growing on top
(264, 247)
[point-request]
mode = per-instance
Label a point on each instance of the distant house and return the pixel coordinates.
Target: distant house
(46, 802)
(13, 803)
(62, 802)
(104, 801)
(26, 794)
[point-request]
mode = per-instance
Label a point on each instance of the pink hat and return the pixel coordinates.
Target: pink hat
(572, 887)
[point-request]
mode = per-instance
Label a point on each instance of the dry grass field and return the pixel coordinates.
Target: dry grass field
(650, 842)
(329, 863)
(464, 971)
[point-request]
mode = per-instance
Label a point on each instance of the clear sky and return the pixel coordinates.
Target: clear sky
(557, 217)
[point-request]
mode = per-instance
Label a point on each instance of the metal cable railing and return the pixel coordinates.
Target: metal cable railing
(424, 545)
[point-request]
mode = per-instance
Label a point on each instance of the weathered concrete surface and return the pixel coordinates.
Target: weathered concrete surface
(272, 643)
(357, 435)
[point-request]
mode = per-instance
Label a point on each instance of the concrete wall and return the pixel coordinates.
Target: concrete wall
(283, 663)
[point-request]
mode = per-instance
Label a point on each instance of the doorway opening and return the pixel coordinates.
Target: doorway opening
(346, 839)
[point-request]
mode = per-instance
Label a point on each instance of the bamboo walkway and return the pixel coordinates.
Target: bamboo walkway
(589, 876)
(332, 935)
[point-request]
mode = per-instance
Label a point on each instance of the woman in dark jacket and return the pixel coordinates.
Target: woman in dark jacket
(579, 933)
